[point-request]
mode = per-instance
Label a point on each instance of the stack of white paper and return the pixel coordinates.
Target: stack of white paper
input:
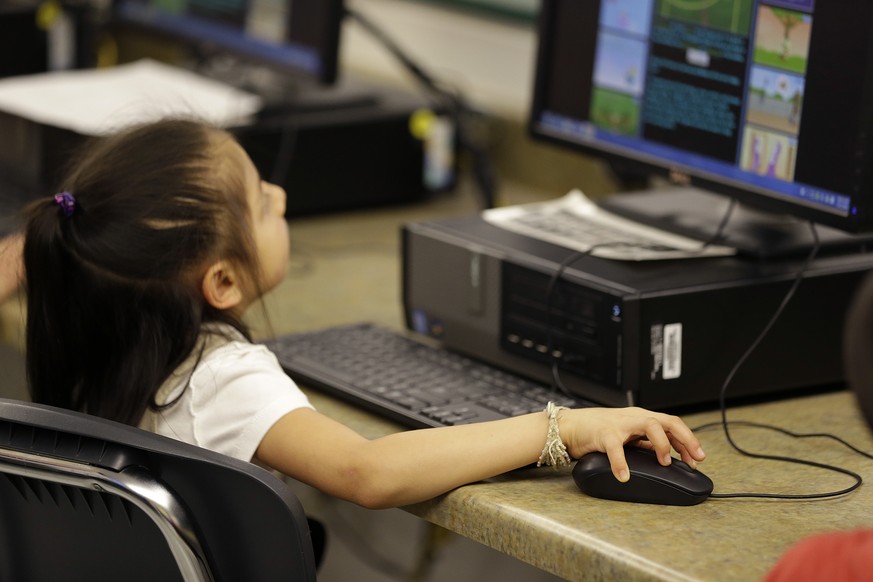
(101, 101)
(576, 222)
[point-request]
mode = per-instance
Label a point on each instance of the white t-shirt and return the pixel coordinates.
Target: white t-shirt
(229, 399)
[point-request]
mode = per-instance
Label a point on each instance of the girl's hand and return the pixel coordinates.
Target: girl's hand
(609, 429)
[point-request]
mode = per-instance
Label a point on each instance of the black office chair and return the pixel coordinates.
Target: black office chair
(83, 498)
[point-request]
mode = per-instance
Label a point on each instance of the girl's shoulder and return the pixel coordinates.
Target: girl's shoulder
(220, 350)
(223, 346)
(221, 336)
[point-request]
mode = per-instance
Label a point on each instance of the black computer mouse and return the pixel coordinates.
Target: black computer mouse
(650, 482)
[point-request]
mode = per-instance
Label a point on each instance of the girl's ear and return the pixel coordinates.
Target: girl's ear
(221, 286)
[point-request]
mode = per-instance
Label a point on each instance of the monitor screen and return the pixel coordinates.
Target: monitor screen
(297, 37)
(770, 101)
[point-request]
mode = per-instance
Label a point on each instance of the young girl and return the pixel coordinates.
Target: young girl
(138, 273)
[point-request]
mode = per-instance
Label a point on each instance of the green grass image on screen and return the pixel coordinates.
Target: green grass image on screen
(615, 112)
(730, 15)
(773, 59)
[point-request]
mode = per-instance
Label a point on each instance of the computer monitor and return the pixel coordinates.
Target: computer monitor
(298, 38)
(770, 102)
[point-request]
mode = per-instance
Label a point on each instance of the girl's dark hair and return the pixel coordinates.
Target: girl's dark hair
(113, 291)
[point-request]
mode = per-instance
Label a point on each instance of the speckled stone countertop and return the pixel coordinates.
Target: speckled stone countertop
(540, 517)
(345, 268)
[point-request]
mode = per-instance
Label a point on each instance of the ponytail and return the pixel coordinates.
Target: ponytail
(51, 343)
(112, 267)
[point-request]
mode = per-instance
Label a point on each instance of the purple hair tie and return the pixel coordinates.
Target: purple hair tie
(67, 203)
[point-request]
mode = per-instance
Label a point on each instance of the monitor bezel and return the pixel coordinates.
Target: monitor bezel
(328, 51)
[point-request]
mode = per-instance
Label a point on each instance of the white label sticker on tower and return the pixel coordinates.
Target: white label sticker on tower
(672, 351)
(656, 349)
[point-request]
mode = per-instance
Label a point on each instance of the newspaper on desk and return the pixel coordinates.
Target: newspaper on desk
(575, 222)
(101, 101)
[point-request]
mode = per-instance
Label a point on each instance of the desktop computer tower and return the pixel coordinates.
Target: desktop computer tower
(348, 154)
(38, 36)
(658, 334)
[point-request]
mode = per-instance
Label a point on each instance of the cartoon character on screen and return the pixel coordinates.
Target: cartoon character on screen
(774, 160)
(756, 153)
(796, 100)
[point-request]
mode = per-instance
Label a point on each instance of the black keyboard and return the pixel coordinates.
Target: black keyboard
(408, 381)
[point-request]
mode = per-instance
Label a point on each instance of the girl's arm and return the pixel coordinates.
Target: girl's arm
(416, 465)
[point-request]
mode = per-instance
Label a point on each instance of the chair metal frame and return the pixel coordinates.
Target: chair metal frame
(134, 484)
(145, 470)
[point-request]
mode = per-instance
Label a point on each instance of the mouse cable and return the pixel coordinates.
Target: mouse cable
(785, 431)
(575, 256)
(739, 363)
(858, 479)
(551, 289)
(455, 103)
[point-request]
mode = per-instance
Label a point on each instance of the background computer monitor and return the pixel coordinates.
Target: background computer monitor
(298, 38)
(767, 101)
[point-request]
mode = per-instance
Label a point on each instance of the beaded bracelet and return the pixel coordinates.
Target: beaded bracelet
(555, 452)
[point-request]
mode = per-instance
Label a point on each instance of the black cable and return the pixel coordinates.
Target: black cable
(719, 231)
(397, 52)
(550, 294)
(785, 431)
(573, 257)
(723, 406)
(550, 339)
(454, 102)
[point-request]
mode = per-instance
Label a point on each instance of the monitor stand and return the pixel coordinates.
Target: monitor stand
(698, 213)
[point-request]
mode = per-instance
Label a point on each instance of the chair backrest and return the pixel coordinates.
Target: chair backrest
(86, 498)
